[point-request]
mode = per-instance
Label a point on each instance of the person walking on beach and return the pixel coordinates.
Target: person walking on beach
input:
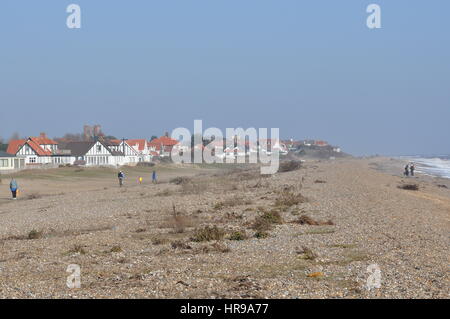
(406, 173)
(121, 176)
(412, 168)
(13, 186)
(154, 180)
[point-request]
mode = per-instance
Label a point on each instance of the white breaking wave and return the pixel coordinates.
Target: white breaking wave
(434, 166)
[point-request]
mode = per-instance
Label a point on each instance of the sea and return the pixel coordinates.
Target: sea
(437, 166)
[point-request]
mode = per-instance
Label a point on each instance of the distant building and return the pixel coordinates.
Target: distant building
(164, 145)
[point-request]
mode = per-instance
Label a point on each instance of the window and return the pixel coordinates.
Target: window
(32, 159)
(99, 148)
(4, 163)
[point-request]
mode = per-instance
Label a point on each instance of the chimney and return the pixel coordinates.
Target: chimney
(43, 135)
(166, 134)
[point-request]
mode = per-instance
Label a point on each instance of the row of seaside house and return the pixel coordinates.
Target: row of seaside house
(43, 151)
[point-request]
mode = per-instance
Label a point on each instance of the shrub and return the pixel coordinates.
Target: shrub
(290, 166)
(116, 249)
(34, 234)
(208, 233)
(78, 249)
(180, 180)
(261, 234)
(265, 221)
(238, 235)
(289, 199)
(409, 187)
(272, 217)
(261, 224)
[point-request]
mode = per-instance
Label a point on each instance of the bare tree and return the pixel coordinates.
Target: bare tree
(14, 136)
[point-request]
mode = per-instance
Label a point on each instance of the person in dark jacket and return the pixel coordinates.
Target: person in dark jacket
(412, 168)
(406, 173)
(121, 177)
(13, 186)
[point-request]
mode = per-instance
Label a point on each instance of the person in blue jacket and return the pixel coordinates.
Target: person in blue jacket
(13, 186)
(154, 180)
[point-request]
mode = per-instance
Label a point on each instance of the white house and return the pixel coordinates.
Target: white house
(100, 153)
(38, 151)
(141, 148)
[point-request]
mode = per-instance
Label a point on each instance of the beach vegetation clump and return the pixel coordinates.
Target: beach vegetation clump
(238, 235)
(288, 199)
(290, 166)
(208, 233)
(409, 187)
(306, 220)
(34, 234)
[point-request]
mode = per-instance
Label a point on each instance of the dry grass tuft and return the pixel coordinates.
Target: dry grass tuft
(208, 233)
(34, 234)
(159, 241)
(266, 220)
(288, 199)
(77, 249)
(306, 253)
(232, 202)
(178, 222)
(306, 220)
(290, 166)
(261, 234)
(116, 249)
(180, 180)
(33, 196)
(409, 187)
(238, 235)
(179, 244)
(215, 247)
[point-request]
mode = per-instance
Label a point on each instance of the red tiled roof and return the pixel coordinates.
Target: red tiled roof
(43, 141)
(38, 149)
(14, 146)
(163, 140)
(139, 143)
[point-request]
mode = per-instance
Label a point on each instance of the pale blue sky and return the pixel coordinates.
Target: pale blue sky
(311, 68)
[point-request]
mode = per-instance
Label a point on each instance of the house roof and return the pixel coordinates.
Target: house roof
(163, 140)
(37, 148)
(4, 154)
(14, 146)
(43, 140)
(79, 148)
(140, 143)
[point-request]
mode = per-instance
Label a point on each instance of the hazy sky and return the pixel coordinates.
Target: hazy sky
(311, 68)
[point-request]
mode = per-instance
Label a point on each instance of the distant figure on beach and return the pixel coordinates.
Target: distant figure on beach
(121, 176)
(13, 186)
(406, 173)
(140, 180)
(412, 168)
(154, 180)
